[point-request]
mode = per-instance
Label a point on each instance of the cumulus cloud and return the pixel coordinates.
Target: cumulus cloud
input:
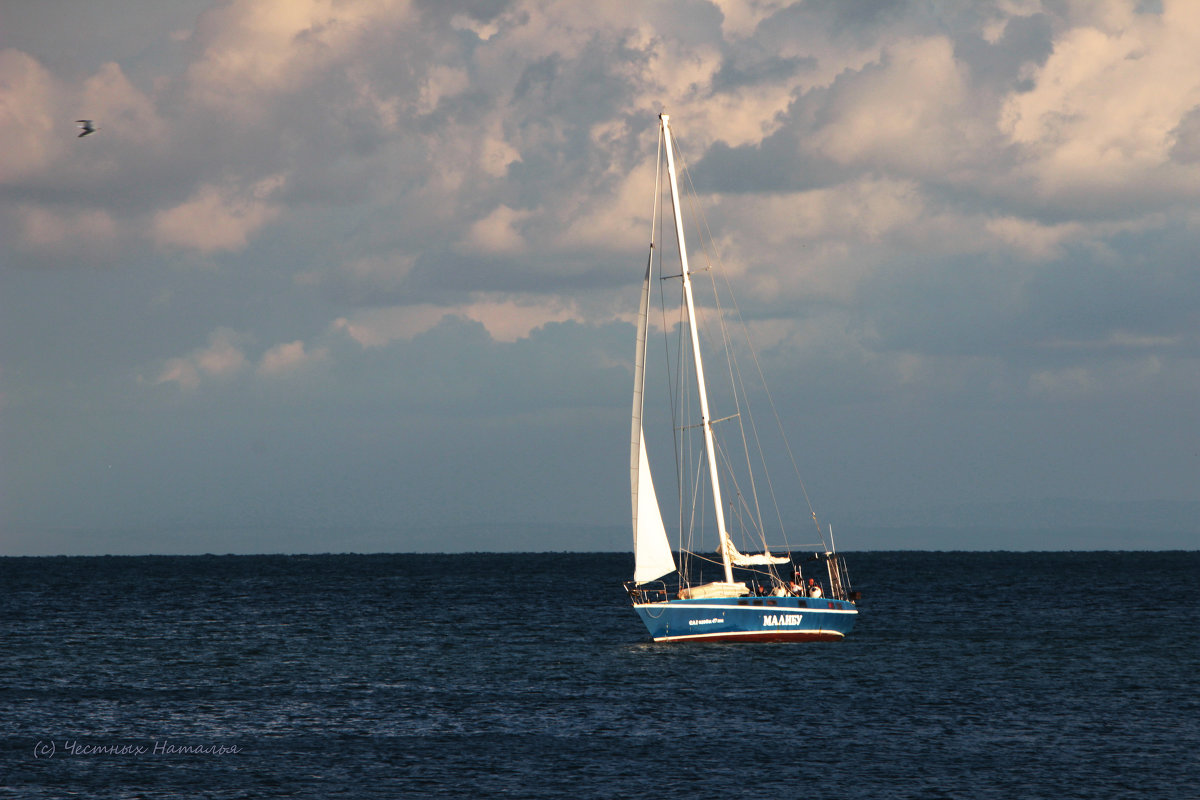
(498, 232)
(506, 320)
(121, 109)
(1103, 109)
(27, 116)
(286, 358)
(251, 51)
(741, 17)
(905, 113)
(787, 246)
(37, 123)
(1032, 239)
(222, 358)
(496, 154)
(218, 218)
(440, 83)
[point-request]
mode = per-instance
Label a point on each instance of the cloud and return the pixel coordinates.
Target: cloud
(121, 110)
(741, 17)
(67, 232)
(496, 154)
(1126, 367)
(251, 51)
(377, 327)
(441, 82)
(286, 358)
(498, 232)
(38, 110)
(223, 358)
(614, 215)
(905, 113)
(506, 320)
(683, 78)
(27, 116)
(484, 30)
(218, 218)
(788, 247)
(1032, 239)
(1102, 111)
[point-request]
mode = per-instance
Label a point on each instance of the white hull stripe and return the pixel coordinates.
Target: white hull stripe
(714, 635)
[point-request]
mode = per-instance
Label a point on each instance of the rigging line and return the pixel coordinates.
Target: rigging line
(737, 386)
(737, 488)
(660, 213)
(788, 446)
(682, 401)
(709, 248)
(656, 225)
(696, 480)
(770, 401)
(762, 456)
(711, 422)
(654, 228)
(755, 524)
(775, 411)
(691, 198)
(681, 409)
(762, 378)
(707, 559)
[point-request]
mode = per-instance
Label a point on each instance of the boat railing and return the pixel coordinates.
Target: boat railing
(839, 579)
(655, 592)
(836, 589)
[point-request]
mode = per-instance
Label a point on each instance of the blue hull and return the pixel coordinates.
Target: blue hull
(755, 619)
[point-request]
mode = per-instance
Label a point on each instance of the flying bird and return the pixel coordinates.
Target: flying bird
(86, 127)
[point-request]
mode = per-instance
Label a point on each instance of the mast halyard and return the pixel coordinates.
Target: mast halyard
(705, 417)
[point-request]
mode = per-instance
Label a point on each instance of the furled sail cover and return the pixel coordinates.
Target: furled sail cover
(651, 549)
(715, 589)
(740, 559)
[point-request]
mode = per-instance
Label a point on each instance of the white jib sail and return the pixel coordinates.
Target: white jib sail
(651, 549)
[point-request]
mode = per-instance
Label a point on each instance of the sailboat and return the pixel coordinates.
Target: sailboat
(727, 595)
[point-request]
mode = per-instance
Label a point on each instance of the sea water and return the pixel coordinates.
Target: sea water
(969, 675)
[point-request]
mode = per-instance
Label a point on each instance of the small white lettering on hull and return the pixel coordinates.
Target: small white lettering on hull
(712, 621)
(781, 620)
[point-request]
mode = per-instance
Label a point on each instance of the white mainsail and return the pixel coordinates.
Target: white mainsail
(651, 549)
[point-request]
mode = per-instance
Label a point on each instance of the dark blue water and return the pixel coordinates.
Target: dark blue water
(970, 675)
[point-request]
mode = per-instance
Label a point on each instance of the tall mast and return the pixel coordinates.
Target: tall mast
(705, 418)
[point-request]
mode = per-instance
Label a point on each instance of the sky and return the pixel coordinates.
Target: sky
(361, 275)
